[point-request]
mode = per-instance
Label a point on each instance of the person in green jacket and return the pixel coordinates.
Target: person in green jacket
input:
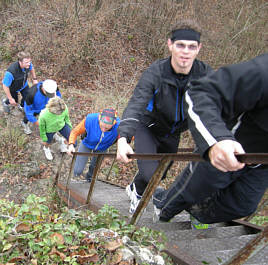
(54, 118)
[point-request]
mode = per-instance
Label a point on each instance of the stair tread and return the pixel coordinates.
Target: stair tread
(215, 244)
(221, 256)
(215, 232)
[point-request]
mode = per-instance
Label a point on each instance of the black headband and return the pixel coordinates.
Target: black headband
(185, 34)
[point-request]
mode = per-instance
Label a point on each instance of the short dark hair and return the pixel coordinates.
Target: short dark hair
(22, 55)
(185, 24)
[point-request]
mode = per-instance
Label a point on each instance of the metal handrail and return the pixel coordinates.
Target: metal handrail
(251, 158)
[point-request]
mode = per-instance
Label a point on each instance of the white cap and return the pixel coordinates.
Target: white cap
(50, 87)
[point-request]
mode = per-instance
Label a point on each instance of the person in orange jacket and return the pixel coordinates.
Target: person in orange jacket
(99, 132)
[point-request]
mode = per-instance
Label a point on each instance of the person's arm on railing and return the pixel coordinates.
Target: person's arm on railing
(78, 130)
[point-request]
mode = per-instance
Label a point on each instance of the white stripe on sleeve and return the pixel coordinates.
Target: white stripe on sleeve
(198, 123)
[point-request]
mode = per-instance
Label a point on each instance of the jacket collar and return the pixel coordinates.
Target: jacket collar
(169, 75)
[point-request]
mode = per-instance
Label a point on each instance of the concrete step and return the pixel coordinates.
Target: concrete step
(222, 256)
(215, 232)
(215, 244)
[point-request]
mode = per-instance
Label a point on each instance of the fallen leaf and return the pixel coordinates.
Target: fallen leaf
(87, 241)
(73, 247)
(113, 245)
(58, 237)
(88, 258)
(16, 259)
(34, 261)
(23, 228)
(7, 247)
(58, 253)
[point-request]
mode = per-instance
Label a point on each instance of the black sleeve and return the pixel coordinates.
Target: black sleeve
(136, 107)
(213, 101)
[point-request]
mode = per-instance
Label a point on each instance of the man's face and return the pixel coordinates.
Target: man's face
(25, 63)
(183, 53)
(105, 127)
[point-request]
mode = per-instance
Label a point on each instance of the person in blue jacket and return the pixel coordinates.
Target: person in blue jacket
(36, 100)
(99, 132)
(15, 81)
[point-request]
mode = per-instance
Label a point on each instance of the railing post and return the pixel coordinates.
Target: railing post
(59, 170)
(71, 170)
(94, 177)
(109, 172)
(153, 183)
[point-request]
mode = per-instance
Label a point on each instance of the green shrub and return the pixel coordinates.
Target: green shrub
(32, 232)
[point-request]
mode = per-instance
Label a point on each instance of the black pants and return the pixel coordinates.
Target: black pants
(212, 195)
(148, 142)
(14, 95)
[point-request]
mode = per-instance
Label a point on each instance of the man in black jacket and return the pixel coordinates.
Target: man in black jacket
(154, 113)
(15, 81)
(227, 114)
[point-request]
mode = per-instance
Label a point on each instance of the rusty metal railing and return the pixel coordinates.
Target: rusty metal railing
(164, 158)
(242, 256)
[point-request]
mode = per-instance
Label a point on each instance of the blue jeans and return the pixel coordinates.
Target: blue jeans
(81, 161)
(65, 132)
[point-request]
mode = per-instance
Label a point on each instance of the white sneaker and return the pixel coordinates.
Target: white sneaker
(129, 190)
(135, 200)
(6, 107)
(156, 215)
(26, 127)
(20, 108)
(63, 147)
(60, 140)
(48, 153)
(57, 138)
(79, 180)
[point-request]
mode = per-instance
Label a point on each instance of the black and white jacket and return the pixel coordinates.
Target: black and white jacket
(231, 103)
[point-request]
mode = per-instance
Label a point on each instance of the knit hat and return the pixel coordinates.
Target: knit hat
(108, 116)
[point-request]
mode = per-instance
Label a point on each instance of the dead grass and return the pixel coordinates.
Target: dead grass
(105, 45)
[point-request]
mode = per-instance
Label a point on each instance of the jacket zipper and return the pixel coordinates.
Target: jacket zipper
(102, 135)
(175, 125)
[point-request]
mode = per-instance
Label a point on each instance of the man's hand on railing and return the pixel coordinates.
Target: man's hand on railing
(70, 149)
(222, 155)
(123, 149)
